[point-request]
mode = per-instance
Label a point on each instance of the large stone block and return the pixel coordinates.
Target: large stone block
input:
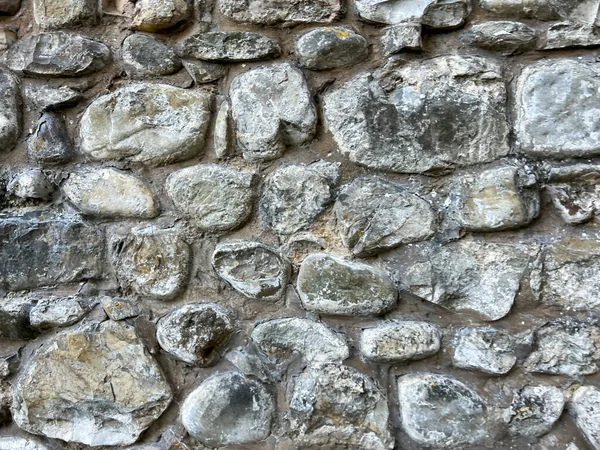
(285, 12)
(54, 14)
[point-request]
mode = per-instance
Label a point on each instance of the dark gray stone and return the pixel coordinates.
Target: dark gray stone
(446, 14)
(7, 38)
(50, 142)
(55, 14)
(9, 7)
(485, 349)
(31, 184)
(47, 98)
(14, 318)
(53, 312)
(143, 56)
(569, 35)
(10, 110)
(583, 11)
(231, 46)
(534, 410)
(285, 12)
(508, 38)
(330, 48)
(204, 72)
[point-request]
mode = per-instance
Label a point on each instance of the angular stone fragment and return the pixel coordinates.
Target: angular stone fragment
(99, 380)
(535, 409)
(12, 443)
(585, 408)
(330, 48)
(575, 192)
(285, 12)
(230, 46)
(56, 312)
(557, 109)
(403, 36)
(47, 98)
(271, 108)
(55, 14)
(14, 318)
(143, 56)
(50, 142)
(10, 110)
(280, 338)
(204, 72)
(57, 55)
(154, 124)
(485, 349)
(155, 15)
(335, 406)
(400, 341)
(228, 409)
(294, 195)
(583, 11)
(118, 308)
(438, 410)
(9, 7)
(252, 268)
(568, 35)
(31, 185)
(110, 193)
(433, 13)
(440, 113)
(446, 14)
(215, 197)
(508, 38)
(329, 285)
(222, 131)
(7, 38)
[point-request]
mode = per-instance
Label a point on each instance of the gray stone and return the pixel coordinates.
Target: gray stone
(583, 11)
(143, 56)
(156, 15)
(557, 109)
(195, 333)
(54, 14)
(569, 35)
(252, 268)
(47, 98)
(14, 318)
(154, 124)
(7, 38)
(9, 7)
(315, 342)
(446, 14)
(13, 443)
(403, 36)
(10, 110)
(575, 192)
(438, 410)
(230, 46)
(330, 48)
(294, 195)
(400, 341)
(285, 12)
(99, 380)
(31, 185)
(272, 108)
(534, 410)
(215, 197)
(119, 308)
(508, 38)
(335, 406)
(56, 312)
(329, 285)
(223, 131)
(585, 408)
(433, 13)
(228, 409)
(204, 72)
(57, 55)
(374, 214)
(485, 349)
(436, 114)
(110, 193)
(50, 142)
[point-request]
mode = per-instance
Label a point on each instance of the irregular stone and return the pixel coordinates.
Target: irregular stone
(54, 14)
(272, 108)
(438, 410)
(152, 262)
(195, 333)
(584, 11)
(565, 347)
(12, 443)
(400, 341)
(57, 55)
(228, 409)
(374, 214)
(585, 408)
(252, 268)
(216, 197)
(485, 349)
(285, 12)
(508, 38)
(119, 308)
(433, 13)
(156, 15)
(31, 185)
(534, 410)
(440, 113)
(9, 7)
(222, 132)
(403, 36)
(330, 48)
(300, 245)
(47, 98)
(568, 35)
(10, 114)
(110, 193)
(56, 312)
(337, 406)
(280, 338)
(154, 124)
(575, 192)
(7, 38)
(14, 318)
(99, 380)
(329, 285)
(143, 56)
(50, 142)
(446, 14)
(204, 72)
(230, 46)
(557, 107)
(294, 195)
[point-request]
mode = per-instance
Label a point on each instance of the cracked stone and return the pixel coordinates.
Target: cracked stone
(50, 142)
(485, 349)
(508, 38)
(432, 13)
(568, 35)
(55, 14)
(56, 312)
(403, 36)
(233, 46)
(47, 98)
(284, 12)
(535, 409)
(31, 185)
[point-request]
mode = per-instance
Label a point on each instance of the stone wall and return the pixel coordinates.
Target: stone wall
(276, 225)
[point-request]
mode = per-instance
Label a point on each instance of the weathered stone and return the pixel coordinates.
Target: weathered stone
(13, 443)
(154, 124)
(446, 14)
(294, 195)
(438, 410)
(10, 114)
(557, 109)
(155, 15)
(57, 55)
(204, 72)
(47, 98)
(215, 197)
(223, 131)
(575, 192)
(14, 318)
(330, 48)
(585, 408)
(568, 35)
(583, 11)
(535, 409)
(285, 12)
(433, 13)
(485, 349)
(334, 406)
(374, 214)
(119, 308)
(31, 185)
(110, 193)
(329, 285)
(403, 36)
(228, 409)
(9, 7)
(195, 333)
(252, 268)
(272, 108)
(98, 380)
(230, 46)
(56, 312)
(7, 38)
(314, 341)
(300, 245)
(508, 38)
(143, 56)
(440, 113)
(54, 14)
(400, 341)
(565, 347)
(50, 142)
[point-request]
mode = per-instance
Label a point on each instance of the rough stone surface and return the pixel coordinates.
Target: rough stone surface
(55, 14)
(222, 133)
(14, 318)
(286, 12)
(535, 409)
(156, 15)
(7, 38)
(403, 36)
(330, 48)
(12, 443)
(505, 37)
(568, 35)
(9, 7)
(584, 11)
(50, 142)
(575, 192)
(446, 14)
(433, 13)
(230, 46)
(47, 98)
(56, 312)
(10, 119)
(119, 308)
(585, 408)
(204, 72)
(143, 56)
(485, 349)
(31, 184)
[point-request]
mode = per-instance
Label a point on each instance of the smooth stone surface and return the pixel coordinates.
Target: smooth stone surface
(485, 349)
(143, 56)
(585, 408)
(284, 12)
(55, 14)
(56, 312)
(204, 72)
(14, 318)
(10, 110)
(47, 98)
(330, 48)
(50, 142)
(233, 46)
(433, 13)
(9, 7)
(156, 15)
(222, 135)
(508, 38)
(535, 409)
(403, 36)
(31, 184)
(568, 35)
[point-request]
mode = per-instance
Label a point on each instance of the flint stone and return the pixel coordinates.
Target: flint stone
(12, 443)
(330, 48)
(110, 193)
(57, 54)
(143, 56)
(534, 410)
(294, 195)
(438, 410)
(585, 408)
(438, 114)
(119, 308)
(14, 318)
(508, 38)
(10, 114)
(50, 142)
(9, 7)
(31, 185)
(46, 98)
(582, 11)
(204, 72)
(329, 285)
(432, 13)
(284, 12)
(557, 109)
(56, 312)
(54, 14)
(403, 36)
(231, 46)
(99, 380)
(485, 349)
(215, 197)
(400, 341)
(228, 409)
(568, 35)
(155, 124)
(156, 15)
(252, 268)
(272, 108)
(7, 38)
